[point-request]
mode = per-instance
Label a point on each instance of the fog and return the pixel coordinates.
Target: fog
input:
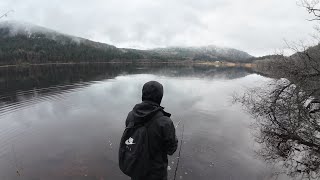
(257, 27)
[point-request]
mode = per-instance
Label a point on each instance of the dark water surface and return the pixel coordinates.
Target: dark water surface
(65, 122)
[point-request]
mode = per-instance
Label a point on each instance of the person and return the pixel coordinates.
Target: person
(161, 131)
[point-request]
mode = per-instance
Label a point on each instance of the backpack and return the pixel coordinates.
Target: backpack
(134, 155)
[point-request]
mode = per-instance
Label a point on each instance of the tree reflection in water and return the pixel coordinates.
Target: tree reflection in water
(288, 124)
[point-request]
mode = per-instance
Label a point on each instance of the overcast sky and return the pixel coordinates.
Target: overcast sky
(258, 27)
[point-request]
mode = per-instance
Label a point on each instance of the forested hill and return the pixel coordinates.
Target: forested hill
(211, 53)
(24, 43)
(21, 43)
(300, 64)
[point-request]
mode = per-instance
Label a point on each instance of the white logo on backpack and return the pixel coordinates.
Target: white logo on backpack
(129, 141)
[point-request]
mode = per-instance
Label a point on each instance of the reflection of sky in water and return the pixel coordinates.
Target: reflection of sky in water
(76, 134)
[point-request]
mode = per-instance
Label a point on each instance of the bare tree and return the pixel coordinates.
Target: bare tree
(312, 7)
(306, 60)
(287, 110)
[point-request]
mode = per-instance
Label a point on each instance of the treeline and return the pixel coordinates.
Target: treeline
(20, 44)
(303, 64)
(205, 53)
(38, 48)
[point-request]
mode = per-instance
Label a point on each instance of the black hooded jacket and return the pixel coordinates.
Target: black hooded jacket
(161, 133)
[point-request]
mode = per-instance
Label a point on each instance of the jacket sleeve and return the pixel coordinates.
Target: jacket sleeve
(170, 138)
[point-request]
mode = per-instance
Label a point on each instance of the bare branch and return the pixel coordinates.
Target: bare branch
(6, 14)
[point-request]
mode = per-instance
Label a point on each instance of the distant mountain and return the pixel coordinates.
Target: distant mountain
(209, 53)
(26, 43)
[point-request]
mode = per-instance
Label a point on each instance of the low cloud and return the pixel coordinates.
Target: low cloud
(258, 27)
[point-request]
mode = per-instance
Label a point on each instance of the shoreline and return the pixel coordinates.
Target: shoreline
(206, 63)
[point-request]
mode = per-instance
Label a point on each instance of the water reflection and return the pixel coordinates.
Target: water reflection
(23, 78)
(73, 133)
(20, 84)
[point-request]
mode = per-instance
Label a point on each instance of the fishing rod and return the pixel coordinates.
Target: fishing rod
(179, 155)
(6, 14)
(178, 123)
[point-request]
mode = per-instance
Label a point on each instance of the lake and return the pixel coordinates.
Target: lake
(65, 121)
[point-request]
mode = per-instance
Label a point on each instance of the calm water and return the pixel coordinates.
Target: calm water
(61, 122)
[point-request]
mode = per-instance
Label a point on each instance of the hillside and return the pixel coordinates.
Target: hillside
(209, 53)
(25, 43)
(22, 43)
(300, 64)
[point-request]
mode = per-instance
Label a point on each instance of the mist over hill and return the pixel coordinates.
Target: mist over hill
(211, 53)
(27, 43)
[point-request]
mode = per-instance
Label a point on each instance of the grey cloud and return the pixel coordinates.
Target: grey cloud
(257, 27)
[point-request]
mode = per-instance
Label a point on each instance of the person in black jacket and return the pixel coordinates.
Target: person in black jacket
(162, 137)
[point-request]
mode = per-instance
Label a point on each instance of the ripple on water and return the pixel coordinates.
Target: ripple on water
(15, 101)
(11, 132)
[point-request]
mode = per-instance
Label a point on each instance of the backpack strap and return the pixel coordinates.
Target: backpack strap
(147, 124)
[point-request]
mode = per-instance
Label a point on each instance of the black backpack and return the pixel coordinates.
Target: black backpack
(134, 155)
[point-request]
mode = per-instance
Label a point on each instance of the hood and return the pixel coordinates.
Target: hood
(146, 110)
(152, 91)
